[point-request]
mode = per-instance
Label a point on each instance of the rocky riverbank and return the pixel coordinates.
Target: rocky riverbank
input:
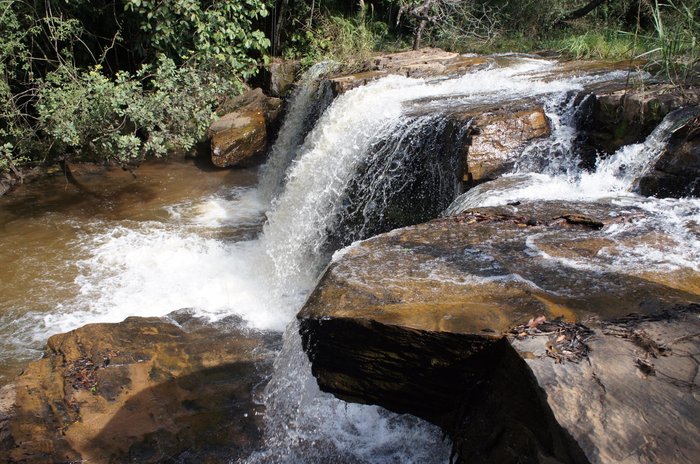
(508, 326)
(475, 323)
(144, 390)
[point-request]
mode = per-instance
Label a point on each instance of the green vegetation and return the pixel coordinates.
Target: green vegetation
(118, 80)
(122, 80)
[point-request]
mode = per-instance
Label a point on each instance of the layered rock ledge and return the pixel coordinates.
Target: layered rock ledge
(144, 390)
(519, 347)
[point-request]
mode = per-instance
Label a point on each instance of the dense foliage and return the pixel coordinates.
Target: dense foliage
(118, 80)
(121, 80)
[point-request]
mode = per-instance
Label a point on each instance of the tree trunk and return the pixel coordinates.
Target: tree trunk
(419, 33)
(583, 11)
(279, 27)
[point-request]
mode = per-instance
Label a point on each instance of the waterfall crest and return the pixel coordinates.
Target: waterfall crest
(309, 100)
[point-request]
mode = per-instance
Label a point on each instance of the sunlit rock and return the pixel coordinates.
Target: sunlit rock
(143, 390)
(425, 62)
(441, 320)
(243, 131)
(498, 137)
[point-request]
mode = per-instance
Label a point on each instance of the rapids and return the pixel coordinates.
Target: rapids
(227, 244)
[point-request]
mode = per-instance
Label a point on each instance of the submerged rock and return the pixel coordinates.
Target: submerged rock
(243, 131)
(420, 320)
(143, 390)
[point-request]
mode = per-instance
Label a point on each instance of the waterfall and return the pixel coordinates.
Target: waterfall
(309, 100)
(376, 119)
(550, 169)
(382, 155)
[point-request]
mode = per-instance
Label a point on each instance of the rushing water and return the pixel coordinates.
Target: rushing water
(222, 244)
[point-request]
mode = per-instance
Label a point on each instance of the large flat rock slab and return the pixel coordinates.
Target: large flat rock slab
(426, 62)
(474, 321)
(143, 390)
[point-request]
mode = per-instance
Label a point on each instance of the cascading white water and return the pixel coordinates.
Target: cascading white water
(297, 226)
(549, 170)
(309, 100)
(188, 259)
(611, 183)
(304, 424)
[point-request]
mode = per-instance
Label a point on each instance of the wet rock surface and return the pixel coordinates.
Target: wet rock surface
(143, 390)
(623, 116)
(677, 171)
(242, 132)
(425, 62)
(497, 136)
(443, 320)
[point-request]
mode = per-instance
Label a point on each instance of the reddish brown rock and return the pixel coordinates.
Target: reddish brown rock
(505, 326)
(243, 132)
(143, 390)
(497, 137)
(425, 62)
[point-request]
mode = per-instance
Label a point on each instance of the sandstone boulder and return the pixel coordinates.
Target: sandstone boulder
(483, 323)
(281, 75)
(497, 137)
(244, 130)
(143, 390)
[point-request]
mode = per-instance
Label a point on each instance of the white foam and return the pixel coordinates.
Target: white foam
(152, 269)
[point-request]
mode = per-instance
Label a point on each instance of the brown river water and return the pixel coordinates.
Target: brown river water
(49, 230)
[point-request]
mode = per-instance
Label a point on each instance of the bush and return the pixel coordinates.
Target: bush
(86, 115)
(334, 37)
(118, 81)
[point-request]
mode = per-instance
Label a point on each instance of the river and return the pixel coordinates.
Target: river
(252, 242)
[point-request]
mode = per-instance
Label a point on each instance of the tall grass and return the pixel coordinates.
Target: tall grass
(595, 45)
(677, 29)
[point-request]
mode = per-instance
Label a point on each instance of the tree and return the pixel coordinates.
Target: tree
(451, 20)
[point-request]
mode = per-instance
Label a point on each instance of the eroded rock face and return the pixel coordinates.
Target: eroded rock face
(496, 138)
(677, 171)
(143, 390)
(282, 75)
(635, 397)
(625, 116)
(242, 132)
(425, 320)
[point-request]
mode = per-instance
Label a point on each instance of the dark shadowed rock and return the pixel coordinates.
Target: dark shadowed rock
(625, 116)
(441, 320)
(144, 390)
(243, 131)
(677, 171)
